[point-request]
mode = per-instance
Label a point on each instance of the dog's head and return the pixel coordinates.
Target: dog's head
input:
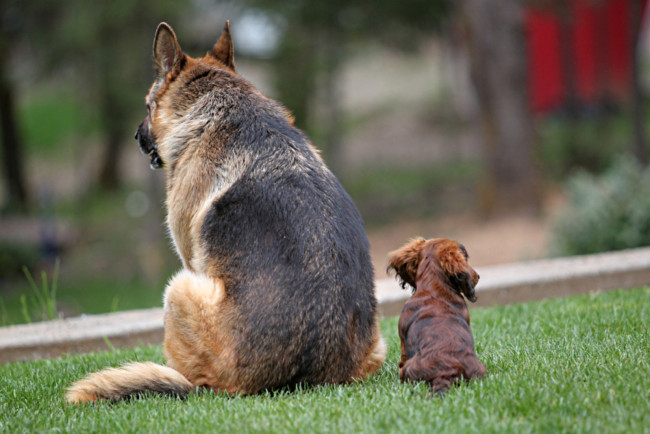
(437, 258)
(170, 95)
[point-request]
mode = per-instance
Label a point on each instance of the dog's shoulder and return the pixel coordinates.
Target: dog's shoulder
(288, 194)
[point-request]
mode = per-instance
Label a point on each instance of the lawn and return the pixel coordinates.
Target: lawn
(579, 364)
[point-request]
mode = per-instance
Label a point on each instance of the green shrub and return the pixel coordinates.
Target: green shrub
(386, 193)
(566, 145)
(52, 118)
(16, 255)
(610, 212)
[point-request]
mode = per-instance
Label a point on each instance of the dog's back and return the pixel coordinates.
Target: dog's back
(438, 342)
(295, 256)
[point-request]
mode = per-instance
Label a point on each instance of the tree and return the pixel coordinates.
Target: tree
(11, 139)
(495, 37)
(314, 46)
(106, 46)
(640, 147)
(114, 46)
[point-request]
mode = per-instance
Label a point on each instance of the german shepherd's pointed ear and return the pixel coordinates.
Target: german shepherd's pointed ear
(167, 52)
(405, 261)
(224, 50)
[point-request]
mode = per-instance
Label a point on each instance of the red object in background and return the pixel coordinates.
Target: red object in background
(588, 51)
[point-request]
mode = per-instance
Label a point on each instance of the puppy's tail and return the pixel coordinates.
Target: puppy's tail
(114, 384)
(439, 381)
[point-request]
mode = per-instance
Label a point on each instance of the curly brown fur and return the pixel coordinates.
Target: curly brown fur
(434, 326)
(277, 286)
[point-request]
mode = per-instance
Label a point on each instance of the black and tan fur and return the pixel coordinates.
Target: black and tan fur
(277, 284)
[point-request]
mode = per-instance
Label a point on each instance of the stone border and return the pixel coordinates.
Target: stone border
(500, 284)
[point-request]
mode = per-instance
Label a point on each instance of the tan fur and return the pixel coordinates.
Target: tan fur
(112, 383)
(374, 358)
(198, 332)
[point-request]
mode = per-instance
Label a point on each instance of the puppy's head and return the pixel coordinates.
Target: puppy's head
(436, 258)
(171, 95)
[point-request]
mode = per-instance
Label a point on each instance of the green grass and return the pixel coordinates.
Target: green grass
(86, 295)
(115, 262)
(576, 365)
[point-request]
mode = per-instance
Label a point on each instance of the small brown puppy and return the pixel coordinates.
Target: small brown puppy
(437, 342)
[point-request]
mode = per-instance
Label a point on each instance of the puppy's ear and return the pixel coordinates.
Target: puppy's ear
(405, 260)
(452, 257)
(463, 282)
(167, 52)
(453, 260)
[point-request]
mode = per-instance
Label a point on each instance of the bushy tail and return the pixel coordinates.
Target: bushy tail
(115, 384)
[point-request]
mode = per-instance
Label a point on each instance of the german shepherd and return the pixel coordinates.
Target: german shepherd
(277, 285)
(437, 342)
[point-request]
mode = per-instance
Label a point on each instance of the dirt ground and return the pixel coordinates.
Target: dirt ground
(489, 242)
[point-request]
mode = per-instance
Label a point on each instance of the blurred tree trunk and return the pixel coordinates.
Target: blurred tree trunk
(499, 72)
(295, 72)
(640, 147)
(109, 176)
(302, 51)
(113, 107)
(571, 105)
(11, 142)
(333, 134)
(567, 59)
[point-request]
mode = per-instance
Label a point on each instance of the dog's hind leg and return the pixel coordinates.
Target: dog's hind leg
(198, 338)
(375, 356)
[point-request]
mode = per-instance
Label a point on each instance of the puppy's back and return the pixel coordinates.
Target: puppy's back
(439, 346)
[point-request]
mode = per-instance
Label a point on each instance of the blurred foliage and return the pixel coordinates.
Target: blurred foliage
(607, 212)
(14, 256)
(85, 67)
(50, 120)
(89, 295)
(102, 50)
(115, 263)
(42, 301)
(384, 194)
(590, 143)
(315, 42)
(390, 22)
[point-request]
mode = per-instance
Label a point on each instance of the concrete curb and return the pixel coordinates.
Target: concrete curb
(500, 284)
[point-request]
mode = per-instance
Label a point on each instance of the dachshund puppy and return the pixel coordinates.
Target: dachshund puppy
(437, 342)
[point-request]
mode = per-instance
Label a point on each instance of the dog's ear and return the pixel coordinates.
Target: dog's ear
(463, 282)
(453, 260)
(167, 52)
(223, 50)
(452, 257)
(405, 260)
